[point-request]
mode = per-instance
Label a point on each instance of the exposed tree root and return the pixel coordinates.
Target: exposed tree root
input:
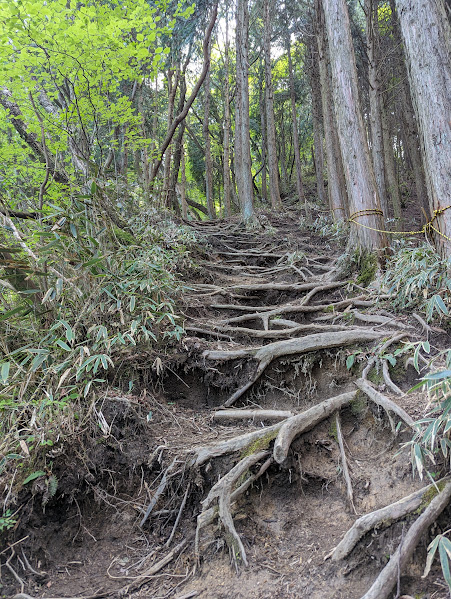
(222, 491)
(383, 585)
(382, 517)
(344, 463)
(292, 427)
(266, 354)
(384, 402)
(258, 415)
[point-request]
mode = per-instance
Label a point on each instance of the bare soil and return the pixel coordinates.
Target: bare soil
(87, 541)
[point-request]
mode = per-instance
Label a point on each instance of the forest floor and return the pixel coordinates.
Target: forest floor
(172, 497)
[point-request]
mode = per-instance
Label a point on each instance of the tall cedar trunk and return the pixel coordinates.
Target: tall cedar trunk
(297, 155)
(226, 158)
(263, 130)
(426, 35)
(172, 200)
(374, 92)
(242, 135)
(274, 192)
(336, 184)
(207, 144)
(361, 184)
(390, 169)
(317, 117)
(411, 137)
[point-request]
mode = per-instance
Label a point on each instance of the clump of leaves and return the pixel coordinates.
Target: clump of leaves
(419, 278)
(431, 443)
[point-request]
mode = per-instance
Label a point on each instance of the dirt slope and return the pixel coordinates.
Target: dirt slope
(269, 328)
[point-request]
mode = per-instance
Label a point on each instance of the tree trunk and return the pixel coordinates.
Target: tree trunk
(374, 92)
(183, 185)
(390, 168)
(207, 144)
(335, 177)
(263, 146)
(297, 155)
(317, 117)
(226, 159)
(172, 90)
(274, 191)
(426, 35)
(364, 204)
(242, 135)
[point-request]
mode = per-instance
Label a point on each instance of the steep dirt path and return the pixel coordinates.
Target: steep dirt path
(261, 448)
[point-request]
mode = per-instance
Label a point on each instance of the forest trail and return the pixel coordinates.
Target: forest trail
(259, 425)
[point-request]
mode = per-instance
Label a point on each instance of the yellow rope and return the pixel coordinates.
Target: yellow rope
(426, 227)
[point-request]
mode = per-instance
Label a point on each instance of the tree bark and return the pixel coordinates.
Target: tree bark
(242, 135)
(172, 90)
(390, 169)
(374, 92)
(426, 34)
(364, 203)
(264, 152)
(297, 155)
(317, 117)
(335, 177)
(274, 191)
(207, 144)
(226, 156)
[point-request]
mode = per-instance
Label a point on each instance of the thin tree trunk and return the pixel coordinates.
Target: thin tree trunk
(274, 191)
(390, 168)
(242, 135)
(335, 177)
(226, 159)
(207, 144)
(264, 192)
(172, 90)
(318, 118)
(363, 195)
(374, 92)
(426, 34)
(297, 155)
(183, 185)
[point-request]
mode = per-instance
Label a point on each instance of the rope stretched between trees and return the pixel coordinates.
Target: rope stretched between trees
(425, 228)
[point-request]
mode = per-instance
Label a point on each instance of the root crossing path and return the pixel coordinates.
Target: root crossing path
(280, 474)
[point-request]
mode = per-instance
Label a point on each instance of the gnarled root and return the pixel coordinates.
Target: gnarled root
(384, 402)
(382, 517)
(222, 491)
(266, 354)
(384, 583)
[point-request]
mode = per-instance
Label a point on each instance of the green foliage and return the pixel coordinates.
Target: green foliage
(419, 278)
(7, 521)
(97, 303)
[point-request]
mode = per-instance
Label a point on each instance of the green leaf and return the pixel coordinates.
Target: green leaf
(63, 345)
(444, 561)
(350, 361)
(34, 476)
(5, 372)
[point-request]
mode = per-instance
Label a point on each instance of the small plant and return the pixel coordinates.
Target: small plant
(7, 521)
(431, 442)
(419, 278)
